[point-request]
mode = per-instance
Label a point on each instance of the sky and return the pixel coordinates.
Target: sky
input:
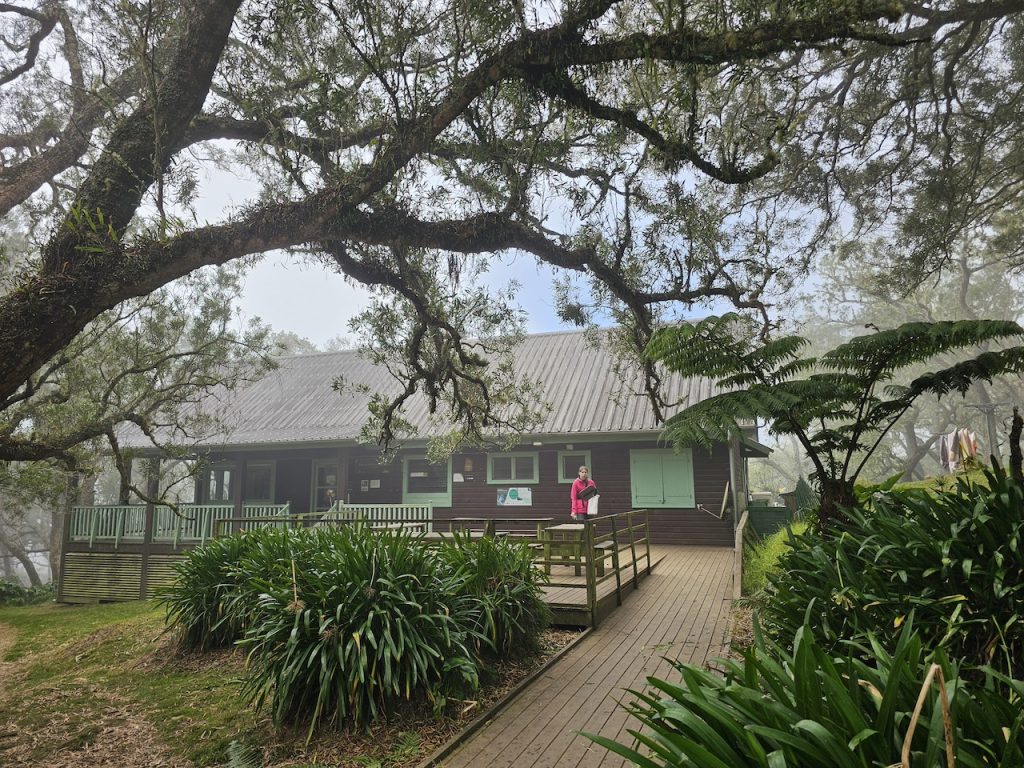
(317, 304)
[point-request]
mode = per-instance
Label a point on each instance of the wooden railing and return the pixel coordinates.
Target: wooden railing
(412, 518)
(116, 523)
(382, 514)
(190, 524)
(602, 543)
(195, 523)
(737, 555)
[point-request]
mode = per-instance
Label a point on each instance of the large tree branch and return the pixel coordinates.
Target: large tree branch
(47, 21)
(89, 271)
(19, 181)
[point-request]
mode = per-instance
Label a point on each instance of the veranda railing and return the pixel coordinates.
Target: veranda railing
(110, 523)
(190, 524)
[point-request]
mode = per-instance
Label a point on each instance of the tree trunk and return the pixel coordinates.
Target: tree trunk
(1015, 455)
(23, 557)
(8, 569)
(836, 497)
(916, 453)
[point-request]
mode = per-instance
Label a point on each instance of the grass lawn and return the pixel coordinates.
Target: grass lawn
(101, 684)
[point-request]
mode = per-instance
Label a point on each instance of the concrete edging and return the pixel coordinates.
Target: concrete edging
(480, 721)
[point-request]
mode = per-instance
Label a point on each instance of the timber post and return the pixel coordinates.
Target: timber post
(588, 554)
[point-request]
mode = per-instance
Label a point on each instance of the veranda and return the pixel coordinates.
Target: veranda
(127, 552)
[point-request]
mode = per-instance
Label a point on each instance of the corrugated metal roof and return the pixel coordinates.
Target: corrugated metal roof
(296, 402)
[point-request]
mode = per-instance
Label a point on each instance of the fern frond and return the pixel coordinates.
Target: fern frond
(886, 351)
(960, 377)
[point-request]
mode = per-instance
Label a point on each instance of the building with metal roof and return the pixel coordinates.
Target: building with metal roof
(290, 446)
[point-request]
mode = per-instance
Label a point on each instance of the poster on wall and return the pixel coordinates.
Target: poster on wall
(515, 497)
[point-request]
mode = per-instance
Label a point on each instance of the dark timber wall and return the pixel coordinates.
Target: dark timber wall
(474, 497)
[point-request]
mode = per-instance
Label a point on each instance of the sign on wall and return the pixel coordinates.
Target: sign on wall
(515, 497)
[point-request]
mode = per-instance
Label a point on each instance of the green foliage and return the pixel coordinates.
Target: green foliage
(242, 755)
(200, 602)
(956, 559)
(12, 593)
(342, 624)
(807, 708)
(349, 622)
(499, 574)
(762, 559)
(838, 406)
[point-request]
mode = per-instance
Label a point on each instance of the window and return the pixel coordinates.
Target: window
(569, 463)
(426, 483)
(662, 478)
(512, 468)
(218, 485)
(259, 482)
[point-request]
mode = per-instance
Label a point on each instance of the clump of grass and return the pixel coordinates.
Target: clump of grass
(349, 623)
(200, 602)
(341, 625)
(953, 558)
(763, 558)
(500, 576)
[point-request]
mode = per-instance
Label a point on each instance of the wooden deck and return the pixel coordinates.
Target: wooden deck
(681, 611)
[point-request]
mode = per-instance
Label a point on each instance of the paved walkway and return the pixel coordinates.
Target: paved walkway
(681, 611)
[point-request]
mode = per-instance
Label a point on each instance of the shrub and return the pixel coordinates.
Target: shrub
(347, 622)
(955, 558)
(762, 559)
(12, 593)
(200, 601)
(500, 576)
(808, 709)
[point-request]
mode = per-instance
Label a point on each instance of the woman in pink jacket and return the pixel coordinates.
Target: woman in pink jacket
(579, 506)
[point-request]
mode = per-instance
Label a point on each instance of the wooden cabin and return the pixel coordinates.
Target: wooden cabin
(293, 447)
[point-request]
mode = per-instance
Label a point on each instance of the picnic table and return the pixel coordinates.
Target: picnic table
(563, 543)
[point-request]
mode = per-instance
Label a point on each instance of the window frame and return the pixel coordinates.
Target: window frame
(434, 499)
(222, 466)
(586, 463)
(272, 465)
(512, 481)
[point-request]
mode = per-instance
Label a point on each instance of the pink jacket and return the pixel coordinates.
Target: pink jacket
(579, 506)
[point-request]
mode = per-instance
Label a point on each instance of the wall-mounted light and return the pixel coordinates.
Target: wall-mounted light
(537, 442)
(568, 447)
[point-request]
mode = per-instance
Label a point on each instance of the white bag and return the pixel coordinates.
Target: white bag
(592, 505)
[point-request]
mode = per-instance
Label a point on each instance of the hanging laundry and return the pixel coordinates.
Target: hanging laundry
(956, 447)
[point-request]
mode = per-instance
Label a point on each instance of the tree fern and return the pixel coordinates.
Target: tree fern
(838, 406)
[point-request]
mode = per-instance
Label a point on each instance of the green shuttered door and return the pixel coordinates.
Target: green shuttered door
(662, 478)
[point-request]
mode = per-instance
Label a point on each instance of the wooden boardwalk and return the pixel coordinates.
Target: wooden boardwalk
(681, 611)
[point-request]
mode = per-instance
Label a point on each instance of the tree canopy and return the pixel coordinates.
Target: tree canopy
(671, 154)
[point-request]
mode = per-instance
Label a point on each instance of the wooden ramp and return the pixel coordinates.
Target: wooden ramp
(681, 611)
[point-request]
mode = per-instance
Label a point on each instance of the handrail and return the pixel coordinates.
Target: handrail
(737, 565)
(586, 552)
(111, 522)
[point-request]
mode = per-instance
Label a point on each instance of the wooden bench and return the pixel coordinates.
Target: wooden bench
(601, 550)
